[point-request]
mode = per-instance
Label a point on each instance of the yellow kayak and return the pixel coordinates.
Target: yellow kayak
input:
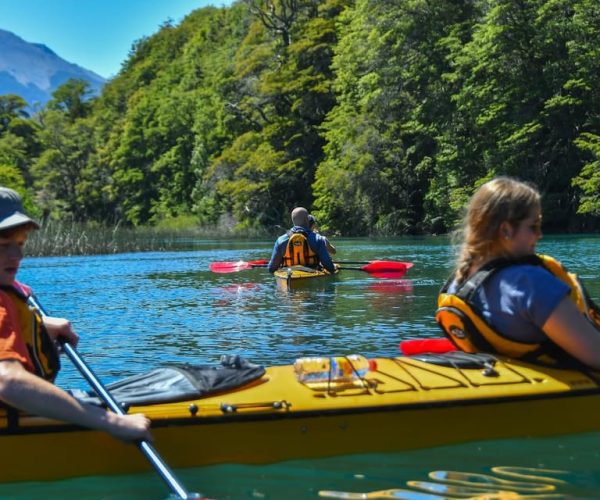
(402, 403)
(288, 277)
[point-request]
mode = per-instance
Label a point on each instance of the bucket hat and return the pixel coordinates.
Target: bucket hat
(11, 210)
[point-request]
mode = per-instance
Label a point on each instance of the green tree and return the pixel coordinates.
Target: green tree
(519, 110)
(67, 148)
(72, 97)
(281, 92)
(584, 87)
(382, 115)
(18, 136)
(588, 179)
(392, 104)
(11, 106)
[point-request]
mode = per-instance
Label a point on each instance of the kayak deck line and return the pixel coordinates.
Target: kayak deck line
(195, 420)
(375, 388)
(406, 403)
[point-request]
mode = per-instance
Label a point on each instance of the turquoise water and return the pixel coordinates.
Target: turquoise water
(134, 311)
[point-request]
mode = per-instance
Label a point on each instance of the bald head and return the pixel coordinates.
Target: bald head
(300, 217)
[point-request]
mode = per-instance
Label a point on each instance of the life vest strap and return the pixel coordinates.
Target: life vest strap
(462, 330)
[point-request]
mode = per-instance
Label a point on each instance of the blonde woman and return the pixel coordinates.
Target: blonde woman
(505, 299)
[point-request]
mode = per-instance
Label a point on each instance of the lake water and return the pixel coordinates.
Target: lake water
(134, 311)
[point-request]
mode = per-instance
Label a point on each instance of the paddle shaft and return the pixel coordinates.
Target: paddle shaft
(352, 261)
(341, 262)
(147, 449)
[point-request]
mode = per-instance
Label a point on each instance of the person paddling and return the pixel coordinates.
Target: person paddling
(29, 360)
(300, 246)
(312, 225)
(504, 298)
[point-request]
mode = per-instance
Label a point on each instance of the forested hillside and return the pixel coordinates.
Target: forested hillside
(381, 116)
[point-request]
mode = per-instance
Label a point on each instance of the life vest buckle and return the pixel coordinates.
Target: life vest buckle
(459, 333)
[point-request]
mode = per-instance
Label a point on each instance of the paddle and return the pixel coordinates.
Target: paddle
(382, 268)
(359, 261)
(378, 268)
(234, 267)
(423, 346)
(147, 449)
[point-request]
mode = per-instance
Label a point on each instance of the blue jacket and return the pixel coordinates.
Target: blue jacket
(316, 242)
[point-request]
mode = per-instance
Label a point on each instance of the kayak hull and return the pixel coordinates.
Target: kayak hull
(407, 405)
(300, 276)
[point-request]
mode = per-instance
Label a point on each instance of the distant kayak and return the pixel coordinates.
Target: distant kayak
(289, 277)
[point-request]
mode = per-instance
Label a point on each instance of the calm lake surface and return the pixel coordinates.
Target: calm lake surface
(135, 311)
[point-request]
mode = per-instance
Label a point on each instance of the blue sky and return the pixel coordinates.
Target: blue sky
(95, 34)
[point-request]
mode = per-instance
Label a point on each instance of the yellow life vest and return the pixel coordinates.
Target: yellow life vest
(42, 349)
(470, 332)
(299, 253)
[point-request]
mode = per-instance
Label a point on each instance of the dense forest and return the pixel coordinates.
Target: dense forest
(380, 116)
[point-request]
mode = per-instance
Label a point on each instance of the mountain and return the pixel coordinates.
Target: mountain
(34, 71)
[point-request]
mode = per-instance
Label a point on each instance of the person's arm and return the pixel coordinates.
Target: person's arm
(568, 328)
(330, 248)
(323, 254)
(276, 258)
(30, 393)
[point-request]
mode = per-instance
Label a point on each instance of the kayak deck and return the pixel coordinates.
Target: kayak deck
(405, 404)
(294, 276)
(300, 273)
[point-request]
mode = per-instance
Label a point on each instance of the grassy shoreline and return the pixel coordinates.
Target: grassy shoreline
(64, 239)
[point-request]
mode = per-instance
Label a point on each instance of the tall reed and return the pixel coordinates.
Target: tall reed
(59, 238)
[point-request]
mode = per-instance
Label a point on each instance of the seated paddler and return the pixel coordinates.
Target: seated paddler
(504, 298)
(29, 359)
(300, 246)
(312, 225)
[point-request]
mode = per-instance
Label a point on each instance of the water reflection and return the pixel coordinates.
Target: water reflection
(524, 482)
(391, 287)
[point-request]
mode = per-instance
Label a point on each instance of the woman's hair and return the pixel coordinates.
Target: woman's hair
(499, 200)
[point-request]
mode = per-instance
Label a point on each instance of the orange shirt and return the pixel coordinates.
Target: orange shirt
(12, 345)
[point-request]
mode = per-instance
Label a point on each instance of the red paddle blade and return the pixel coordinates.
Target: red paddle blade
(234, 267)
(388, 267)
(258, 263)
(422, 346)
(229, 267)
